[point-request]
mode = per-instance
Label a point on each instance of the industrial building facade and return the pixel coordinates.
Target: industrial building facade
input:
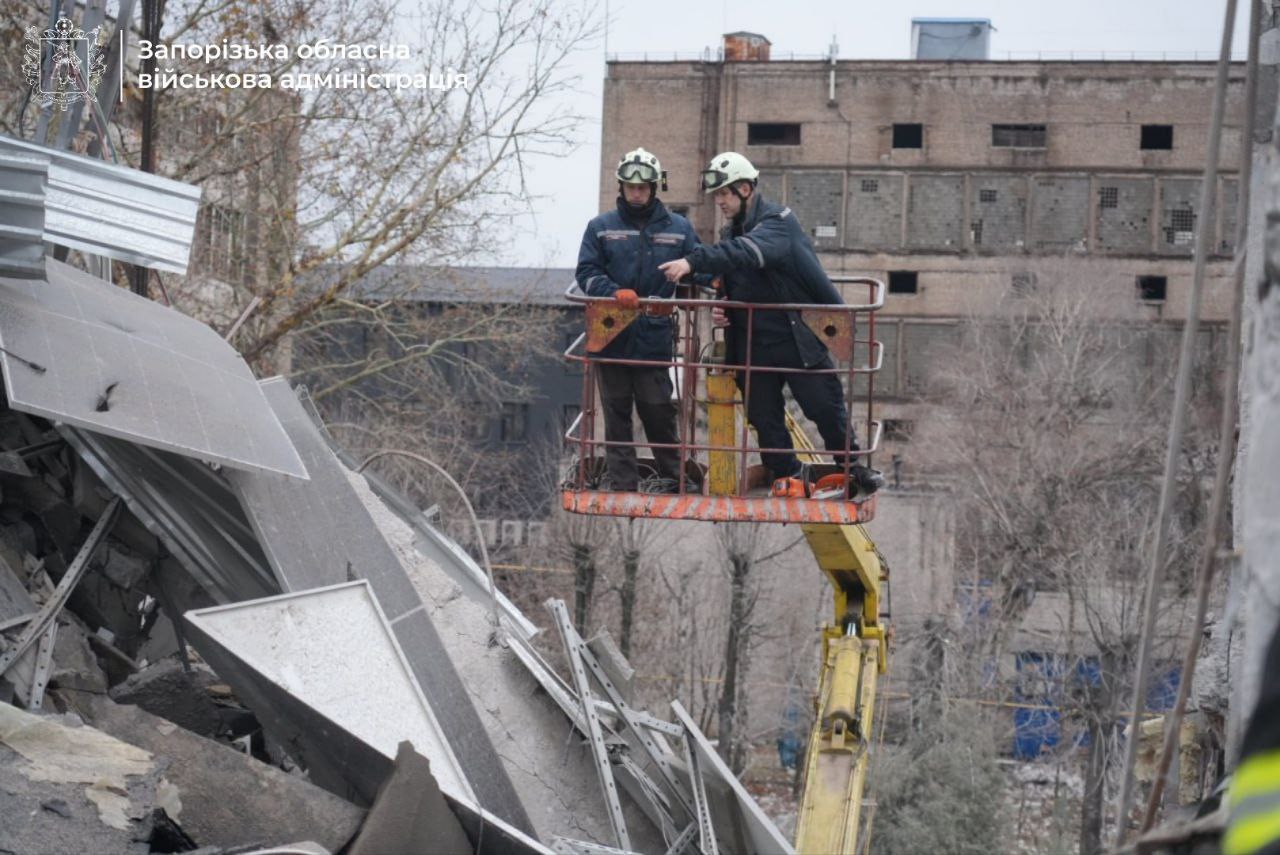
(959, 183)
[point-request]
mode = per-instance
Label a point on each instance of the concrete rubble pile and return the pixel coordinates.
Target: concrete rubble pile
(217, 636)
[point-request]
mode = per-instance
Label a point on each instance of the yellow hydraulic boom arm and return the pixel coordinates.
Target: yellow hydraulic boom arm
(854, 654)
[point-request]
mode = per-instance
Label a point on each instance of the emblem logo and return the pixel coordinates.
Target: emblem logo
(63, 64)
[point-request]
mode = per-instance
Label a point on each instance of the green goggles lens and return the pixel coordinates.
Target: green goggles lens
(637, 172)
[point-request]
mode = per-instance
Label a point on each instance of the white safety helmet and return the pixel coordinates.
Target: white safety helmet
(641, 167)
(727, 168)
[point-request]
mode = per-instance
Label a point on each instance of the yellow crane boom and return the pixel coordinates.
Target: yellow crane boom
(854, 654)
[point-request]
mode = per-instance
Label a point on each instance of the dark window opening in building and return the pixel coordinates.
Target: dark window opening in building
(975, 230)
(773, 133)
(903, 282)
(1152, 288)
(1182, 227)
(908, 136)
(1108, 197)
(515, 422)
(870, 185)
(899, 430)
(1023, 283)
(1157, 137)
(1018, 136)
(986, 196)
(682, 210)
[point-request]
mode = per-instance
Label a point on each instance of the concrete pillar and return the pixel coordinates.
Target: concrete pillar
(1254, 594)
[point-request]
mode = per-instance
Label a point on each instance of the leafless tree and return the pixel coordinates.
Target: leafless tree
(1056, 404)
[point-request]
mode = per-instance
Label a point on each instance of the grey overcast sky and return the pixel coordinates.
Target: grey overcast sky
(565, 189)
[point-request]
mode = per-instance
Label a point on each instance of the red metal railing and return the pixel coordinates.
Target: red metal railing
(848, 331)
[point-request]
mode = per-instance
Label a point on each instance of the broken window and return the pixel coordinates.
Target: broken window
(870, 185)
(1023, 283)
(908, 136)
(986, 195)
(903, 282)
(1157, 137)
(1018, 136)
(1152, 288)
(773, 133)
(515, 422)
(975, 232)
(1108, 197)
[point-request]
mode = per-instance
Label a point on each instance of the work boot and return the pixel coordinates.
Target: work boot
(867, 479)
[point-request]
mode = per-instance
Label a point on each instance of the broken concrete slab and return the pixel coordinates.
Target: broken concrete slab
(328, 655)
(80, 789)
(229, 799)
(167, 690)
(410, 814)
(75, 665)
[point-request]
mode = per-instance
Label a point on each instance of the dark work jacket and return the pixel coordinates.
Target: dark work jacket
(619, 253)
(768, 258)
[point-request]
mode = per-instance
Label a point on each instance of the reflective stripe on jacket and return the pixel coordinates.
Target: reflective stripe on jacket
(619, 253)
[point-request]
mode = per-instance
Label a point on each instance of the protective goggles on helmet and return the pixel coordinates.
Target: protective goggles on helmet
(714, 179)
(637, 172)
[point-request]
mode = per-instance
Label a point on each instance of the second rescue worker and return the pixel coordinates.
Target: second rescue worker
(765, 256)
(619, 258)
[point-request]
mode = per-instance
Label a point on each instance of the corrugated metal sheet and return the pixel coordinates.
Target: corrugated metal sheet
(111, 210)
(22, 179)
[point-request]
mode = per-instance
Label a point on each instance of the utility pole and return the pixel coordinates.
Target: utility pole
(152, 14)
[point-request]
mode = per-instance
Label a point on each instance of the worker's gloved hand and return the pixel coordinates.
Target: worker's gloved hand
(627, 298)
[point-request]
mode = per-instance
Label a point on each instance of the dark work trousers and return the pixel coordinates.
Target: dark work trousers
(820, 397)
(649, 389)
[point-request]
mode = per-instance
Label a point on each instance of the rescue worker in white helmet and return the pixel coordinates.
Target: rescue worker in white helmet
(765, 256)
(619, 257)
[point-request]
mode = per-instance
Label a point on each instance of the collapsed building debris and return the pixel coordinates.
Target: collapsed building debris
(310, 659)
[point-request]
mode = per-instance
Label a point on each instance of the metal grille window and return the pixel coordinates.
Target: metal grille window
(1018, 136)
(1181, 228)
(222, 242)
(1108, 197)
(870, 185)
(975, 229)
(986, 195)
